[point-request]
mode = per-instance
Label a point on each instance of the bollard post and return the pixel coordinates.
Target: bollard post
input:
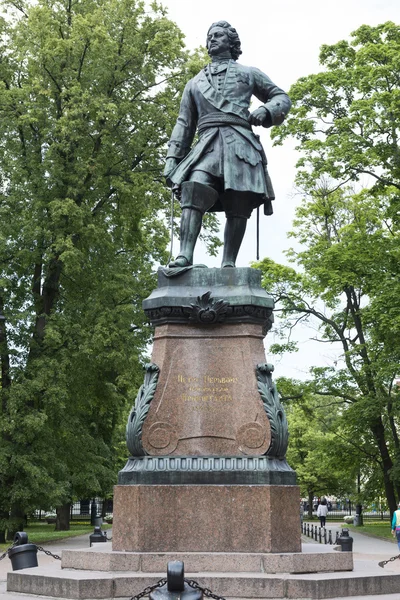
(176, 586)
(320, 535)
(97, 536)
(312, 531)
(308, 529)
(330, 537)
(22, 555)
(346, 541)
(316, 534)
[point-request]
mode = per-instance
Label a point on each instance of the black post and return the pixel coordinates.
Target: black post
(359, 514)
(93, 512)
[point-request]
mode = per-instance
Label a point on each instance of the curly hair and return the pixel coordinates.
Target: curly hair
(233, 37)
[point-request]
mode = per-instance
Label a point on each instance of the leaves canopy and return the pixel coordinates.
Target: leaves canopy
(89, 92)
(347, 120)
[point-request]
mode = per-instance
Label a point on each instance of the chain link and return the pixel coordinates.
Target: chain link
(7, 551)
(48, 552)
(385, 562)
(205, 591)
(149, 589)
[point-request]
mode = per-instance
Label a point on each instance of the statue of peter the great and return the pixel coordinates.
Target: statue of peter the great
(226, 170)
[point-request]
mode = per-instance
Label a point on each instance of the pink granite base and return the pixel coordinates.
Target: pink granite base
(206, 518)
(207, 401)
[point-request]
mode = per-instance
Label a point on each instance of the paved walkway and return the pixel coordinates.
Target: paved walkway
(367, 552)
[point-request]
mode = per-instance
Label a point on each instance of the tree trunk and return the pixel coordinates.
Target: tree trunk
(5, 382)
(378, 431)
(310, 503)
(17, 521)
(3, 518)
(104, 508)
(63, 517)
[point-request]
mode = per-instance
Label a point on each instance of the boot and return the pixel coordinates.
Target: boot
(191, 220)
(196, 199)
(235, 228)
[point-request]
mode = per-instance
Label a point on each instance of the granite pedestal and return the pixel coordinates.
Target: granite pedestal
(207, 435)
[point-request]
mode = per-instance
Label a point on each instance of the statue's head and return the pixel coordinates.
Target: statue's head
(232, 39)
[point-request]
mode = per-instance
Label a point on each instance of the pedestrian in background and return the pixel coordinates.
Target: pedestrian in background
(322, 511)
(396, 525)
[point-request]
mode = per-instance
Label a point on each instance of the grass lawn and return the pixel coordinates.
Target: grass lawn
(379, 529)
(40, 533)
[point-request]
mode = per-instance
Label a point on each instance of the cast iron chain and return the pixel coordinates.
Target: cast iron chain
(205, 591)
(385, 562)
(149, 589)
(7, 551)
(48, 552)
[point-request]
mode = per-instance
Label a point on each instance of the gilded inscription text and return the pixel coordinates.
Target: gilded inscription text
(206, 389)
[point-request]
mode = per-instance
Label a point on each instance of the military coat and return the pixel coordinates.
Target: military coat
(229, 151)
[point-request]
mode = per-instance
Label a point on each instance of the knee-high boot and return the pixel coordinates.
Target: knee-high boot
(235, 228)
(195, 200)
(191, 220)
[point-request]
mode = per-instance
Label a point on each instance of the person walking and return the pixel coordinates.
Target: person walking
(322, 511)
(396, 525)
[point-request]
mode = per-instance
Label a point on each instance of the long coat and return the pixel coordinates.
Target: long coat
(232, 152)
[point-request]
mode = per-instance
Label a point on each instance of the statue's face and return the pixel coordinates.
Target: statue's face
(218, 41)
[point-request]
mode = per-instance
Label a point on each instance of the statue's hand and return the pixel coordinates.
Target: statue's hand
(170, 164)
(177, 191)
(259, 116)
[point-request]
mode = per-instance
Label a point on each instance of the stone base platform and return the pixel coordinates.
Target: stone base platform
(251, 584)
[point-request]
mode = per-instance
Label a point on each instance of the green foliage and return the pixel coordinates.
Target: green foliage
(321, 448)
(346, 276)
(89, 92)
(346, 118)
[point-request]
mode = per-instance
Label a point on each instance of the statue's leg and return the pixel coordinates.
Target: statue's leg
(196, 199)
(238, 207)
(235, 228)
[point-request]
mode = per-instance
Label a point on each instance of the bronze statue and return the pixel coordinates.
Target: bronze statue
(226, 170)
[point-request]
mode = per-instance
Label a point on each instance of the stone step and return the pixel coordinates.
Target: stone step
(84, 585)
(101, 557)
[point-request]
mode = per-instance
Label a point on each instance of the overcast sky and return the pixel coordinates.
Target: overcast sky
(283, 40)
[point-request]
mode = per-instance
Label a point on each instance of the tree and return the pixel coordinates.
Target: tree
(345, 244)
(88, 96)
(346, 119)
(325, 449)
